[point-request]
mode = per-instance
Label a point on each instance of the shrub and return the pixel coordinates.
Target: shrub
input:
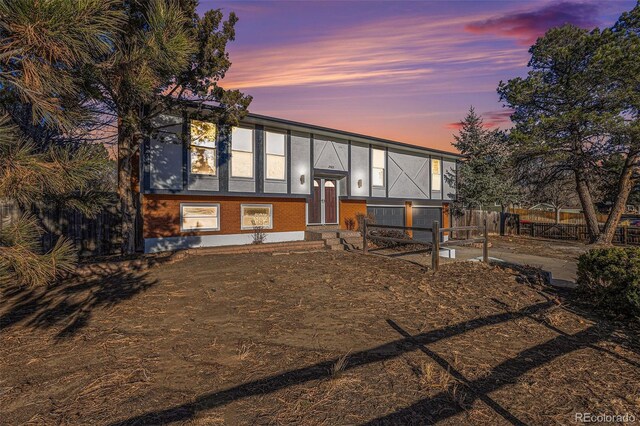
(350, 223)
(360, 218)
(388, 233)
(610, 278)
(258, 235)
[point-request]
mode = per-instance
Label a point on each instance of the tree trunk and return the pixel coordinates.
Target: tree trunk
(557, 209)
(587, 206)
(126, 206)
(625, 185)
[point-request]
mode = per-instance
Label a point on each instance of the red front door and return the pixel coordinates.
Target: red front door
(323, 206)
(330, 205)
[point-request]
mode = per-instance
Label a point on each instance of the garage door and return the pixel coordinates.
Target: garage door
(387, 215)
(424, 217)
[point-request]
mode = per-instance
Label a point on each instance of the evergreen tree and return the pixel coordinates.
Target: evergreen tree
(618, 60)
(166, 54)
(578, 108)
(44, 45)
(482, 177)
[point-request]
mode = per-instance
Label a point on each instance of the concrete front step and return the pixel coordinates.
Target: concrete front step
(352, 240)
(350, 234)
(319, 235)
(332, 241)
(260, 248)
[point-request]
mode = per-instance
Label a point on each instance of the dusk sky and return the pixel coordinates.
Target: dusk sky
(406, 71)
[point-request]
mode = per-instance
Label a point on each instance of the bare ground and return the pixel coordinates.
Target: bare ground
(317, 338)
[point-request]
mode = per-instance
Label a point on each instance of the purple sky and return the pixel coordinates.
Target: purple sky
(406, 71)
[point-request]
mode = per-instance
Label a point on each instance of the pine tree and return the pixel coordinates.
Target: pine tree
(578, 107)
(45, 45)
(482, 176)
(166, 54)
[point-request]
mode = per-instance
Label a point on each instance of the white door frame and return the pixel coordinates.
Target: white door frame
(322, 202)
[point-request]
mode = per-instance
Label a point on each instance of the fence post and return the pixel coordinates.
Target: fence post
(435, 246)
(624, 235)
(485, 243)
(364, 236)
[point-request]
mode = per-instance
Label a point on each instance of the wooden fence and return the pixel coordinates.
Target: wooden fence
(436, 236)
(625, 235)
(476, 218)
(541, 216)
(98, 236)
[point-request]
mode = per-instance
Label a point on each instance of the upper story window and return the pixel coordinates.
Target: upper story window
(436, 175)
(377, 167)
(202, 149)
(242, 152)
(275, 156)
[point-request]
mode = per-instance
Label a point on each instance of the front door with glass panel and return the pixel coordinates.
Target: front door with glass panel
(323, 207)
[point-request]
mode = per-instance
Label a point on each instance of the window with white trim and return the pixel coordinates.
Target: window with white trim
(256, 215)
(377, 167)
(241, 152)
(436, 175)
(202, 149)
(200, 217)
(275, 156)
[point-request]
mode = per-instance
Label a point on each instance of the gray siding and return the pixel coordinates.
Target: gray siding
(242, 185)
(203, 183)
(408, 175)
(276, 187)
(300, 163)
(359, 169)
(165, 153)
(330, 154)
(449, 170)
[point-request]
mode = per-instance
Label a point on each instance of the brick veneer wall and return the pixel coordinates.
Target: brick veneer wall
(161, 214)
(349, 209)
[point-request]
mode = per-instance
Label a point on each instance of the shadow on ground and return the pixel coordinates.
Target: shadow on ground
(69, 304)
(431, 410)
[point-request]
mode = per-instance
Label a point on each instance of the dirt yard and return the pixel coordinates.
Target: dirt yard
(318, 338)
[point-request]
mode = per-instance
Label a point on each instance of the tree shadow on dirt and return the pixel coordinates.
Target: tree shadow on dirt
(71, 303)
(323, 369)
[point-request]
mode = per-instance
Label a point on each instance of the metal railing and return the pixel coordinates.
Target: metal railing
(435, 231)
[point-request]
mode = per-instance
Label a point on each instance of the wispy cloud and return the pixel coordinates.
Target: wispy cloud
(490, 120)
(527, 26)
(497, 118)
(393, 51)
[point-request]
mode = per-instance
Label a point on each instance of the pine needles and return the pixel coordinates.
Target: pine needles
(44, 48)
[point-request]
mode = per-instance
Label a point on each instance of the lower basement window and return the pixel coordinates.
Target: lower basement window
(256, 215)
(199, 217)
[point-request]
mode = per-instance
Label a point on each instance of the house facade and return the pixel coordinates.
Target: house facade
(201, 187)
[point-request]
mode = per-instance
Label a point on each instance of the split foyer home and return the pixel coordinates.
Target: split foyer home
(201, 187)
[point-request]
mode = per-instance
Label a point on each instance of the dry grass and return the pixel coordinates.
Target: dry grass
(338, 367)
(313, 339)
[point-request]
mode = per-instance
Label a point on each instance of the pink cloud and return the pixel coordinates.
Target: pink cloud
(390, 51)
(497, 118)
(490, 120)
(527, 26)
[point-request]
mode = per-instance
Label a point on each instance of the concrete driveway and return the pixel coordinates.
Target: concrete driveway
(563, 271)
